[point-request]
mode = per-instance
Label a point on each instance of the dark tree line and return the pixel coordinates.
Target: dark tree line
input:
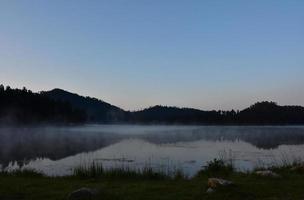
(97, 111)
(261, 113)
(174, 115)
(271, 113)
(62, 107)
(22, 106)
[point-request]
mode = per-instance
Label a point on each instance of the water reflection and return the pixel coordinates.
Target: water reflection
(56, 151)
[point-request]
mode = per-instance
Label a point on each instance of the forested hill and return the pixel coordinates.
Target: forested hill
(97, 110)
(261, 113)
(21, 106)
(175, 115)
(61, 107)
(271, 113)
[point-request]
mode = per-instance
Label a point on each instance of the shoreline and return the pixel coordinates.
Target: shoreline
(29, 185)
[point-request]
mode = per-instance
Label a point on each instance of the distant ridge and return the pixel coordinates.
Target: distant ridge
(97, 110)
(23, 107)
(167, 114)
(57, 105)
(261, 113)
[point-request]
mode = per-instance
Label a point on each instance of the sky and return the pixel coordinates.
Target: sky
(206, 54)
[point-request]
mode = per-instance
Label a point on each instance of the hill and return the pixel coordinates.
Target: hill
(60, 106)
(261, 113)
(271, 113)
(175, 115)
(22, 106)
(97, 111)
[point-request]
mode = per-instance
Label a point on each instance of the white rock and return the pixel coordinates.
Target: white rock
(267, 173)
(82, 194)
(210, 190)
(215, 182)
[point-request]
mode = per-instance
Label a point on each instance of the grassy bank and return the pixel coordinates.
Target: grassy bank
(149, 185)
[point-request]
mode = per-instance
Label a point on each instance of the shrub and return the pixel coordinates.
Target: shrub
(216, 168)
(96, 171)
(23, 173)
(89, 171)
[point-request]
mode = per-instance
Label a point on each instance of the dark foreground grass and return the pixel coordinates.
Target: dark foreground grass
(95, 171)
(247, 186)
(125, 183)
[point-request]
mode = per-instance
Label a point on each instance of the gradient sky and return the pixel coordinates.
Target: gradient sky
(137, 53)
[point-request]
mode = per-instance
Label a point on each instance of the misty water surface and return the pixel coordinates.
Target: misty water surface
(57, 150)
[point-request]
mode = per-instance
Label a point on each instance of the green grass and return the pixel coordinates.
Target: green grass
(24, 173)
(95, 171)
(247, 186)
(217, 167)
(119, 184)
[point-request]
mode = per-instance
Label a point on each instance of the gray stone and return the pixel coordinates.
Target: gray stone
(215, 182)
(210, 190)
(267, 173)
(299, 168)
(83, 194)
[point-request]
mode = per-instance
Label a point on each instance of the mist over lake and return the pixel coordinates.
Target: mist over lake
(56, 151)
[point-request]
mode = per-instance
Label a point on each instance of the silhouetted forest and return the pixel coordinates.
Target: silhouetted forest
(96, 110)
(22, 106)
(261, 113)
(61, 107)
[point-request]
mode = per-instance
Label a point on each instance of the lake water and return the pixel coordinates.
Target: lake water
(57, 150)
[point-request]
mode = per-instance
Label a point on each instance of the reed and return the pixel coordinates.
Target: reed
(95, 170)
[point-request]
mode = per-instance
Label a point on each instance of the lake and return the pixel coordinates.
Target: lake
(55, 151)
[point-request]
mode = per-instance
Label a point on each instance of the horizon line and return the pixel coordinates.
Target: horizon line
(147, 107)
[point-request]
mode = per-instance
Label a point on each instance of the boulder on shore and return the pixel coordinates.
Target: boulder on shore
(216, 182)
(299, 168)
(267, 173)
(83, 194)
(210, 190)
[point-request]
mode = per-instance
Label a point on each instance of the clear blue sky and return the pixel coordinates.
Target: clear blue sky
(136, 53)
